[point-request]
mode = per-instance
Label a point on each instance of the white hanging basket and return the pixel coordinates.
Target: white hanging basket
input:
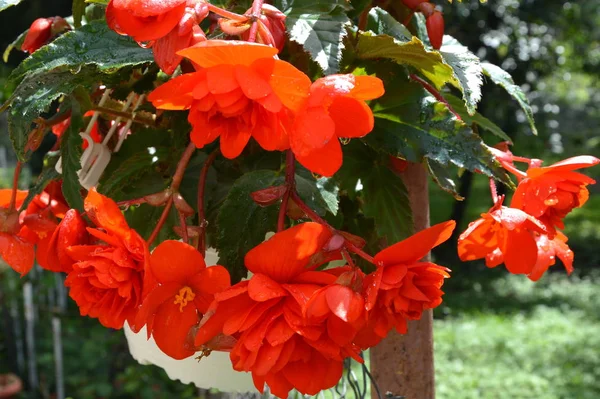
(214, 371)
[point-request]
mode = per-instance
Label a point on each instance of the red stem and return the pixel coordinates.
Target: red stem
(131, 202)
(290, 181)
(521, 159)
(494, 191)
(255, 15)
(353, 248)
(13, 194)
(512, 169)
(161, 221)
(226, 14)
(348, 258)
(181, 165)
(201, 213)
(184, 230)
(435, 93)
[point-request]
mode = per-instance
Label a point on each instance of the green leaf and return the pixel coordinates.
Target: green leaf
(78, 11)
(135, 176)
(70, 151)
(241, 223)
(411, 124)
(320, 28)
(34, 95)
(4, 4)
(320, 194)
(381, 22)
(412, 53)
(144, 219)
(16, 44)
(440, 175)
(504, 80)
(467, 71)
(459, 106)
(92, 44)
(386, 201)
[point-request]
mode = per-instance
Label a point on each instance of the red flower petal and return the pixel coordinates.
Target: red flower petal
(175, 261)
(286, 254)
(415, 247)
(218, 52)
(171, 328)
(18, 254)
(324, 161)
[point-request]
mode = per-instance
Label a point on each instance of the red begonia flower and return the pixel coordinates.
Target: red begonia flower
(335, 109)
(502, 235)
(71, 231)
(275, 342)
(403, 287)
(41, 31)
(168, 26)
(106, 279)
(548, 251)
(21, 233)
(240, 91)
(550, 193)
(185, 289)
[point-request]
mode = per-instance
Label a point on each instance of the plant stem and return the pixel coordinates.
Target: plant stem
(290, 181)
(494, 191)
(512, 169)
(226, 14)
(348, 258)
(131, 202)
(13, 194)
(161, 221)
(125, 115)
(435, 93)
(184, 230)
(201, 213)
(353, 248)
(181, 165)
(255, 15)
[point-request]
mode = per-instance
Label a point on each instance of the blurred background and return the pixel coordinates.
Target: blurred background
(496, 335)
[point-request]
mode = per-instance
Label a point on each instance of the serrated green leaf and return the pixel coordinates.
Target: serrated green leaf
(504, 80)
(411, 124)
(92, 44)
(381, 22)
(467, 71)
(78, 10)
(34, 95)
(320, 194)
(241, 223)
(441, 176)
(459, 106)
(124, 182)
(16, 44)
(412, 53)
(386, 201)
(4, 4)
(70, 151)
(320, 28)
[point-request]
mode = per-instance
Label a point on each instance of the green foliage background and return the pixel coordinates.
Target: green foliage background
(497, 336)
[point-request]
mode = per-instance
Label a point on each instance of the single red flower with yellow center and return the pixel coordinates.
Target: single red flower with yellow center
(403, 286)
(168, 26)
(550, 193)
(275, 342)
(548, 251)
(106, 279)
(502, 235)
(335, 109)
(184, 289)
(239, 91)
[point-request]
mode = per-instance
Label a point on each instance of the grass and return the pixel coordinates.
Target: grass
(516, 339)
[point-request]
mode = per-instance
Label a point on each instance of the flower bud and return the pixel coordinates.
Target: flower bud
(41, 31)
(435, 29)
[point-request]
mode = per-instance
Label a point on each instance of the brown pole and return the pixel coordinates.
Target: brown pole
(403, 364)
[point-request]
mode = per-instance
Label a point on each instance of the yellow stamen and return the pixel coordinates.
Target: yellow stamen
(185, 295)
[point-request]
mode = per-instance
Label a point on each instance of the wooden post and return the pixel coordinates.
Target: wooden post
(403, 364)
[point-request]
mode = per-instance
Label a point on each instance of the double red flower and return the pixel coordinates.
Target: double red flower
(106, 278)
(166, 25)
(525, 237)
(293, 326)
